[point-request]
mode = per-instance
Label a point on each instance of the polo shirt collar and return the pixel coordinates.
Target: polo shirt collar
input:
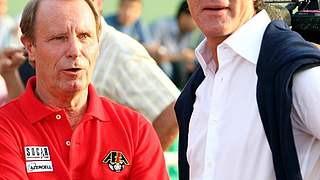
(95, 107)
(35, 110)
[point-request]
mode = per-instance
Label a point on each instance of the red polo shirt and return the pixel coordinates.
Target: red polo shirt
(110, 142)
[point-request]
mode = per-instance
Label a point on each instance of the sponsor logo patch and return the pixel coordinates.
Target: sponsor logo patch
(116, 161)
(35, 153)
(39, 166)
(37, 159)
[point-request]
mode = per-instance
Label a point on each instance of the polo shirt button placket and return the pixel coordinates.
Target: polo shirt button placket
(68, 143)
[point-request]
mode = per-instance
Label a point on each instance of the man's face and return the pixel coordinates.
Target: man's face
(65, 47)
(129, 12)
(220, 18)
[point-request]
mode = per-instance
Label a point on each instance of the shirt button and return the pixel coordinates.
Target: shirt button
(58, 116)
(68, 143)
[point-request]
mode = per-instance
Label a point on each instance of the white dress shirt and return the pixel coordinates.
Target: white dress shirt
(226, 136)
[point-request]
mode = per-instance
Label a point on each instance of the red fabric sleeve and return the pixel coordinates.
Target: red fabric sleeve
(12, 165)
(148, 162)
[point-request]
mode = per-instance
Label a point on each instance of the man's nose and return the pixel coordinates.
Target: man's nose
(74, 48)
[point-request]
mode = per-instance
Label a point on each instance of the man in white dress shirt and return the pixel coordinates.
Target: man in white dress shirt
(223, 126)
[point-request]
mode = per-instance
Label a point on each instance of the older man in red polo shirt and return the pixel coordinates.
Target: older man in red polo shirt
(59, 128)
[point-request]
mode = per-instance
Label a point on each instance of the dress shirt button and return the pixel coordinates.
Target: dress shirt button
(58, 116)
(68, 143)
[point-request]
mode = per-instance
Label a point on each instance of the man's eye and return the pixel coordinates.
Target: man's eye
(83, 36)
(60, 38)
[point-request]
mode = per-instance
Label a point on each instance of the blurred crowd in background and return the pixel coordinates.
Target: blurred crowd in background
(169, 40)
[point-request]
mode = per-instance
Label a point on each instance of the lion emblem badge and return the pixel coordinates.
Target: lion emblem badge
(116, 161)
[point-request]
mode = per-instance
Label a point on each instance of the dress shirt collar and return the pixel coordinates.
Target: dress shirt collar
(35, 110)
(245, 42)
(204, 56)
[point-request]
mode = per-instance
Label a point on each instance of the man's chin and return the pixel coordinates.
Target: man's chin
(74, 87)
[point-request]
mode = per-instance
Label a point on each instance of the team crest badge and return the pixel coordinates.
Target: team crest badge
(116, 161)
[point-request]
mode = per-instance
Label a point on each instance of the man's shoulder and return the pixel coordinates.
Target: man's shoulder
(122, 113)
(11, 113)
(281, 45)
(9, 107)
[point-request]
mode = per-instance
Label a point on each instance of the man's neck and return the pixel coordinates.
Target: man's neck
(213, 45)
(75, 105)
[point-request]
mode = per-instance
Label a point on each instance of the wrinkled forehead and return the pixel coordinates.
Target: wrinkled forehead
(62, 6)
(54, 13)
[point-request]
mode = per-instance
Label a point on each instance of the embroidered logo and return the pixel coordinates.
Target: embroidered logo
(39, 166)
(116, 161)
(38, 159)
(35, 153)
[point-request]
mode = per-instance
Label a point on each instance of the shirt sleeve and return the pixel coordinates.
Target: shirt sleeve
(306, 100)
(12, 165)
(148, 162)
(127, 74)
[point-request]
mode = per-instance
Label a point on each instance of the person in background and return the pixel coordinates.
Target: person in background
(126, 73)
(8, 27)
(250, 111)
(10, 82)
(173, 44)
(127, 20)
(60, 128)
(11, 56)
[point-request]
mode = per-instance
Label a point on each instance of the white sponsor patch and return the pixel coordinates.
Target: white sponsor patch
(35, 153)
(39, 166)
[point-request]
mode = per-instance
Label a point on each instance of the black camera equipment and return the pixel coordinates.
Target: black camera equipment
(305, 17)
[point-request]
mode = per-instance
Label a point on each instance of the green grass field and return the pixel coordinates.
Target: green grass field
(152, 9)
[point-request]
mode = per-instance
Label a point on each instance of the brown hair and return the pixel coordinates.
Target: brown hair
(27, 23)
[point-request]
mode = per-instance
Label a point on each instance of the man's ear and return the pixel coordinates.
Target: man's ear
(29, 46)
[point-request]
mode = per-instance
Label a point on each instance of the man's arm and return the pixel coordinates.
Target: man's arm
(10, 60)
(12, 165)
(306, 100)
(166, 126)
(148, 161)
